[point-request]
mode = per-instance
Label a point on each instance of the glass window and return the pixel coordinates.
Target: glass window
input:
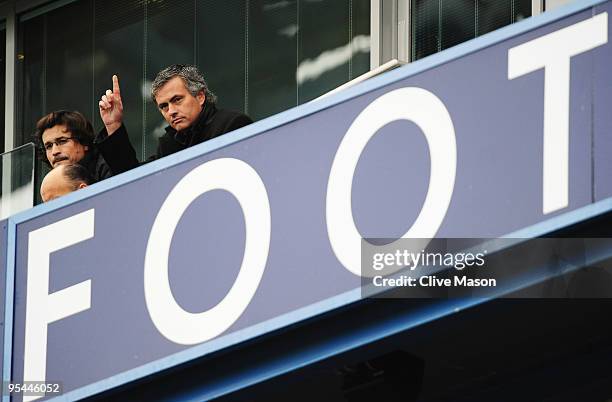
(425, 27)
(457, 22)
(440, 24)
(259, 56)
(273, 56)
(31, 80)
(165, 45)
(335, 54)
(17, 178)
(222, 42)
(2, 82)
(359, 24)
(119, 48)
(68, 62)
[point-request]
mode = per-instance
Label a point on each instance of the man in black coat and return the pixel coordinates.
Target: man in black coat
(64, 137)
(184, 100)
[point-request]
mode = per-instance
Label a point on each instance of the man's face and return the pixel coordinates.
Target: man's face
(55, 184)
(60, 148)
(178, 106)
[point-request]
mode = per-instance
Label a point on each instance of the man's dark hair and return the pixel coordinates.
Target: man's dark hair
(79, 127)
(191, 76)
(77, 174)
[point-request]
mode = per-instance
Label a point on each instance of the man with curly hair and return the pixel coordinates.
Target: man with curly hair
(64, 137)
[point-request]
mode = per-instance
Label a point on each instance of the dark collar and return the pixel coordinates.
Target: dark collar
(90, 159)
(185, 136)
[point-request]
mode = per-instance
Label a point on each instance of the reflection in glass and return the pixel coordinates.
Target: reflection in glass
(17, 172)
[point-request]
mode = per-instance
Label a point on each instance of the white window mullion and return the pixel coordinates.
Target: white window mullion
(537, 7)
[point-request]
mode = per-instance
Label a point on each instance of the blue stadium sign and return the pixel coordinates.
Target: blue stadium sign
(261, 228)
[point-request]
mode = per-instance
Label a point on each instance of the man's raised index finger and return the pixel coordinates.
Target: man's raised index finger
(116, 89)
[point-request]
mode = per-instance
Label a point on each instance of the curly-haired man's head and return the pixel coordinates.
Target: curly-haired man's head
(63, 137)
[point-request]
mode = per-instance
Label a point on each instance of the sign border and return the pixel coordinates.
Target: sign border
(350, 341)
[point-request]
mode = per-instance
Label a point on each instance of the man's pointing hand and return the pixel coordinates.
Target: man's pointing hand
(111, 108)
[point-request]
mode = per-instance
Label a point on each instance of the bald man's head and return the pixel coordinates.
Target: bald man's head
(62, 180)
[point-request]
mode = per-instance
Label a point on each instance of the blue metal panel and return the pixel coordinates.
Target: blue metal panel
(110, 192)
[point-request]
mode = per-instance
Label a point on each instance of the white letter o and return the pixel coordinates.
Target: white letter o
(241, 180)
(429, 113)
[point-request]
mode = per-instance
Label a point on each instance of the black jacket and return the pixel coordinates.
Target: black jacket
(212, 122)
(95, 164)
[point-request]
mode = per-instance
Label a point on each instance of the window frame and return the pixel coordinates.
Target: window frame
(390, 30)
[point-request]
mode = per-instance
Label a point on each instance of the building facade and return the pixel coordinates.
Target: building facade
(260, 57)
